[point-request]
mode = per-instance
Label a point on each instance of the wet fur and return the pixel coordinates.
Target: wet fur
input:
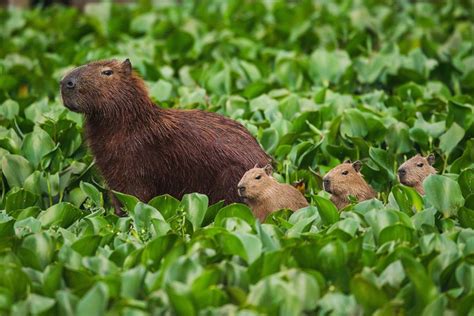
(267, 195)
(415, 175)
(341, 186)
(146, 151)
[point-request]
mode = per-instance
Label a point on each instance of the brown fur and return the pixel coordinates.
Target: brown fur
(344, 180)
(145, 150)
(414, 171)
(266, 195)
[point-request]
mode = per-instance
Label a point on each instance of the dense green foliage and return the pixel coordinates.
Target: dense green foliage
(316, 82)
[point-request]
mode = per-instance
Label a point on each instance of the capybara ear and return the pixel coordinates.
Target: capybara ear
(347, 161)
(357, 165)
(127, 67)
(268, 169)
(299, 185)
(431, 159)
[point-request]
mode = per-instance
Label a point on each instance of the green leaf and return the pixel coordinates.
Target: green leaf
(94, 301)
(9, 109)
(15, 281)
(325, 66)
(466, 160)
(353, 124)
(179, 42)
(92, 192)
(62, 214)
(7, 227)
(234, 210)
(368, 294)
(18, 199)
(246, 246)
(444, 194)
(269, 139)
(52, 278)
(66, 302)
(87, 245)
(327, 210)
(158, 248)
(397, 232)
(40, 304)
(161, 90)
(36, 145)
(180, 299)
(132, 282)
(424, 286)
(165, 204)
(42, 249)
(195, 205)
(144, 216)
(450, 139)
(466, 217)
(393, 274)
(16, 169)
(398, 139)
(408, 199)
(383, 160)
(466, 182)
(290, 292)
(379, 219)
(128, 201)
(27, 226)
(425, 217)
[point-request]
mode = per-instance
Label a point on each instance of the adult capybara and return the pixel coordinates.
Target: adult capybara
(264, 194)
(414, 171)
(144, 150)
(344, 180)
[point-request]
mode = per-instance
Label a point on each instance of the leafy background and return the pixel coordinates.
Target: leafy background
(316, 82)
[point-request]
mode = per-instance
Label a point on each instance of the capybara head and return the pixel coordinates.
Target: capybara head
(101, 87)
(414, 171)
(344, 180)
(254, 182)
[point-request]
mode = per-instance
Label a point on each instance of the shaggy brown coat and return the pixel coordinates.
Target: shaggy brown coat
(264, 194)
(145, 150)
(414, 171)
(345, 180)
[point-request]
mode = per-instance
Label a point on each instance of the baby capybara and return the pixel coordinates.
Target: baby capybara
(414, 171)
(264, 194)
(344, 180)
(144, 150)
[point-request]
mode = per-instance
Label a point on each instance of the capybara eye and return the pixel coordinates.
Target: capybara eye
(345, 173)
(258, 177)
(107, 72)
(420, 164)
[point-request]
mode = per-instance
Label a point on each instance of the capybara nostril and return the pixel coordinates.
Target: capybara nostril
(402, 172)
(241, 190)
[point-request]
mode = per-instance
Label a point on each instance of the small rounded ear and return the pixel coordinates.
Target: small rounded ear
(431, 159)
(357, 165)
(347, 161)
(268, 169)
(127, 66)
